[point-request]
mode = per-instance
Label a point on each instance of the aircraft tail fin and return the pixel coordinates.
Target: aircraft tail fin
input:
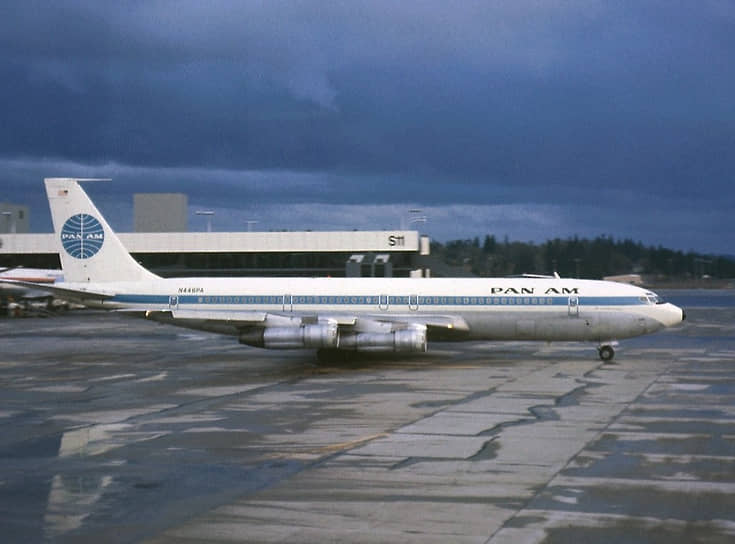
(89, 249)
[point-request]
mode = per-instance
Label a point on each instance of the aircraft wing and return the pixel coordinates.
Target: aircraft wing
(440, 322)
(228, 316)
(344, 321)
(348, 331)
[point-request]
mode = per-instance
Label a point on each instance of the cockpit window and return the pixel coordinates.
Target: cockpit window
(653, 298)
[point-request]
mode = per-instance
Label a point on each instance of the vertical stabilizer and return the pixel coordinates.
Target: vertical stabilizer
(89, 250)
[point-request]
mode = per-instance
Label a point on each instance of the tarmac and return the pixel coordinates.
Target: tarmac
(119, 430)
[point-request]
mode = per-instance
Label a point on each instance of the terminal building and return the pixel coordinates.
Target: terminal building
(13, 218)
(162, 246)
(147, 216)
(178, 254)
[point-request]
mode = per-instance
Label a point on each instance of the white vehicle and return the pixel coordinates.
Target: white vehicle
(370, 314)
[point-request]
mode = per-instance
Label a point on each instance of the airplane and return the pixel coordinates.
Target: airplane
(344, 314)
(40, 277)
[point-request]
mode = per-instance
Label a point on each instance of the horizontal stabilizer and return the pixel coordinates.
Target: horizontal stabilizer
(74, 295)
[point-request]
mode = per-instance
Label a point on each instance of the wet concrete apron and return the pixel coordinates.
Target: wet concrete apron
(121, 430)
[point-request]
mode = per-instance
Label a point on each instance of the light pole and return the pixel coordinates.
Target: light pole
(418, 219)
(208, 214)
(413, 217)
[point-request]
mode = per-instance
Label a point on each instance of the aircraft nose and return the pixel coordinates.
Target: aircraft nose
(671, 315)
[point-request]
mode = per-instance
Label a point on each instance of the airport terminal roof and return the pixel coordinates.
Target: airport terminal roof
(249, 242)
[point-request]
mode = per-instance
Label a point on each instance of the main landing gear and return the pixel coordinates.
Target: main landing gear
(606, 352)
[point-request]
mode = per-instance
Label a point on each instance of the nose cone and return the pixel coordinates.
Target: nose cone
(671, 315)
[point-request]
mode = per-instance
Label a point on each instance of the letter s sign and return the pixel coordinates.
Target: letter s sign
(394, 240)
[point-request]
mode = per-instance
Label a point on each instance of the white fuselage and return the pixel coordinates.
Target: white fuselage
(492, 309)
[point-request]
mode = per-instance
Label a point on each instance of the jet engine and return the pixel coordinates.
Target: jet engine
(322, 335)
(404, 340)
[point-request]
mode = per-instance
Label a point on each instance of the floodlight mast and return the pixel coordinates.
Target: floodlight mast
(208, 214)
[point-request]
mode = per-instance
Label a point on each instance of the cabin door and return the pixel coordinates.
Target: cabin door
(573, 306)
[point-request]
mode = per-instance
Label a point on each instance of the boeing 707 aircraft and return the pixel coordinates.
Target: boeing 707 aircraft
(37, 276)
(359, 314)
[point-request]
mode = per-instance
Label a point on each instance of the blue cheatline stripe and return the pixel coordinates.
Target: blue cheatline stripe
(338, 300)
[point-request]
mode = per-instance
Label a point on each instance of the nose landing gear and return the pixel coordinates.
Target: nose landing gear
(606, 353)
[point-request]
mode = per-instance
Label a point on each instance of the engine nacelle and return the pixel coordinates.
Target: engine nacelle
(322, 335)
(404, 340)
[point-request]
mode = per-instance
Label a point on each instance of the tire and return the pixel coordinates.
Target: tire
(606, 353)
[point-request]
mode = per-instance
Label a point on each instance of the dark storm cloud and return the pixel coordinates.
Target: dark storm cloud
(590, 105)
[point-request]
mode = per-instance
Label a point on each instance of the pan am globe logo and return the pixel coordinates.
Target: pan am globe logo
(82, 236)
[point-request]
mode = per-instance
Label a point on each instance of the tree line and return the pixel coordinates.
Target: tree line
(580, 257)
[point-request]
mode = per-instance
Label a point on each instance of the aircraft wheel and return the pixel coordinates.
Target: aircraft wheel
(606, 353)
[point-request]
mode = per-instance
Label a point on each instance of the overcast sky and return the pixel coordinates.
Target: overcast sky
(531, 119)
